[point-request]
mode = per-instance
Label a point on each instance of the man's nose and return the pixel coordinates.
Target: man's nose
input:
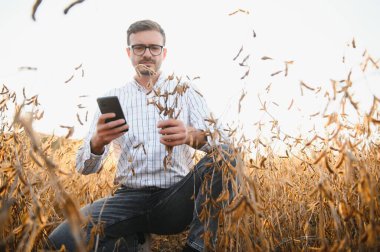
(147, 53)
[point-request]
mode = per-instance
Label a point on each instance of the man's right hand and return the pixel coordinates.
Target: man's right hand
(106, 132)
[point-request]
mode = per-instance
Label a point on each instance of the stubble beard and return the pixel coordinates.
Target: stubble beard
(142, 68)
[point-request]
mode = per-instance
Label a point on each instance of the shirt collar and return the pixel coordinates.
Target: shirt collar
(160, 81)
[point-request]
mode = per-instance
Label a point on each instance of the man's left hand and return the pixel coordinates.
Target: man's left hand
(173, 132)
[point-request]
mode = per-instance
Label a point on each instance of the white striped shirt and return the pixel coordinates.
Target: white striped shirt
(138, 152)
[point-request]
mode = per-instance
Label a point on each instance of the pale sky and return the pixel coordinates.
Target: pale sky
(202, 40)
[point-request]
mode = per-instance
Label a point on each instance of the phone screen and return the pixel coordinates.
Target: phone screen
(111, 104)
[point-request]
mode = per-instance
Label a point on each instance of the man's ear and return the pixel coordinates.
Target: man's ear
(128, 51)
(164, 52)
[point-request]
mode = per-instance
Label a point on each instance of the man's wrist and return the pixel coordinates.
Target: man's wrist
(96, 149)
(195, 138)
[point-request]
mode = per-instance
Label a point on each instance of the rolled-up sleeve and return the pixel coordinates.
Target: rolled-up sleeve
(201, 119)
(87, 162)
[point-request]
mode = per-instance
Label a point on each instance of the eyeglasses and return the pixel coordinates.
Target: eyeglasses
(139, 50)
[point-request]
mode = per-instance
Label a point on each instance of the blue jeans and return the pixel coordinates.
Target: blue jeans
(153, 210)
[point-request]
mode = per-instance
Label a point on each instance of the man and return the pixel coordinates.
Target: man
(158, 194)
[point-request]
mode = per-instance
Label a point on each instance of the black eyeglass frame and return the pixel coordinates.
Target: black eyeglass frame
(145, 47)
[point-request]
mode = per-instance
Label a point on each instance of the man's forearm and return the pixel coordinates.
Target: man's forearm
(196, 138)
(96, 149)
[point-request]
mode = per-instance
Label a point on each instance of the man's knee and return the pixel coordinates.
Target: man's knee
(223, 157)
(62, 236)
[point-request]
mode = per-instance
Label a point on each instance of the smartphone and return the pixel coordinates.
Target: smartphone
(111, 104)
